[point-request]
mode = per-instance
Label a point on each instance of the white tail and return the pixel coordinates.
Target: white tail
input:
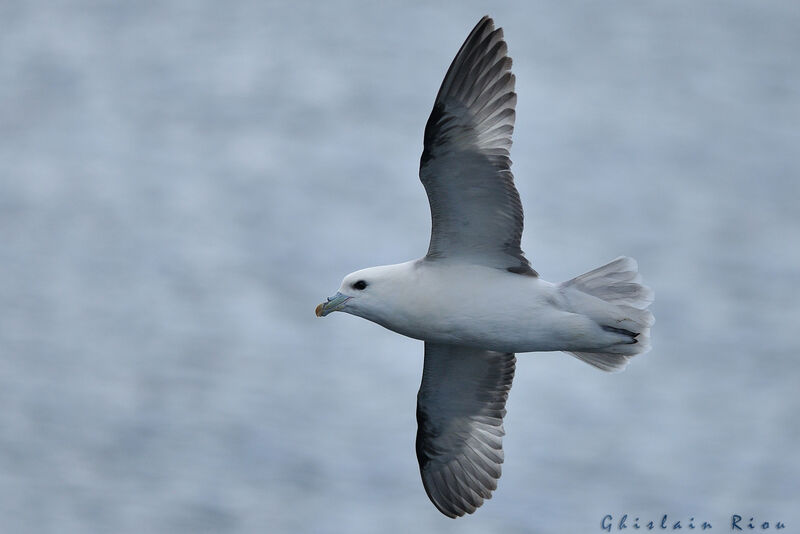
(617, 284)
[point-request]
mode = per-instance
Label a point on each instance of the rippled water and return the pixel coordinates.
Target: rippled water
(182, 182)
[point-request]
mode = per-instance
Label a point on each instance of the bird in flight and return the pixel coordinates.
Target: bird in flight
(474, 299)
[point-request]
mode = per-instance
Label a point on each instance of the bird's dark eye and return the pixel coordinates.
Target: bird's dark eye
(360, 285)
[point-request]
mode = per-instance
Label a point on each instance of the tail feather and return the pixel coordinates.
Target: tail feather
(617, 284)
(610, 363)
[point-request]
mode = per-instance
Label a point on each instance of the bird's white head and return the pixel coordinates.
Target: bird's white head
(368, 293)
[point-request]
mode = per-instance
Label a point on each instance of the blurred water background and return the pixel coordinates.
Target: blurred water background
(181, 182)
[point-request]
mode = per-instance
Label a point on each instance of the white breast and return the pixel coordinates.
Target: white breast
(474, 305)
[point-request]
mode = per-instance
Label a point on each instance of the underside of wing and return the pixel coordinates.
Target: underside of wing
(460, 410)
(476, 213)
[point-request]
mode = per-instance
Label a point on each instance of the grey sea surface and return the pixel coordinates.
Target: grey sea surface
(182, 182)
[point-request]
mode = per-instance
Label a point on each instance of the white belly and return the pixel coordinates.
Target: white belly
(488, 308)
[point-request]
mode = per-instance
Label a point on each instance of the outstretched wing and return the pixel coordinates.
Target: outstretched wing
(460, 410)
(476, 213)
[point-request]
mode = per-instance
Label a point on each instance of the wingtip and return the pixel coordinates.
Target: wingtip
(486, 22)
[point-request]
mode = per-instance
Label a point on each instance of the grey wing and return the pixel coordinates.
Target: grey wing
(476, 213)
(460, 410)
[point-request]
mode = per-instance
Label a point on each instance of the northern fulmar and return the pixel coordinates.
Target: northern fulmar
(474, 299)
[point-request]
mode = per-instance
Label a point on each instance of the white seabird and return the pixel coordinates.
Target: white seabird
(474, 299)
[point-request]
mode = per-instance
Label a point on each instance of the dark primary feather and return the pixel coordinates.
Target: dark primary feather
(476, 213)
(460, 410)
